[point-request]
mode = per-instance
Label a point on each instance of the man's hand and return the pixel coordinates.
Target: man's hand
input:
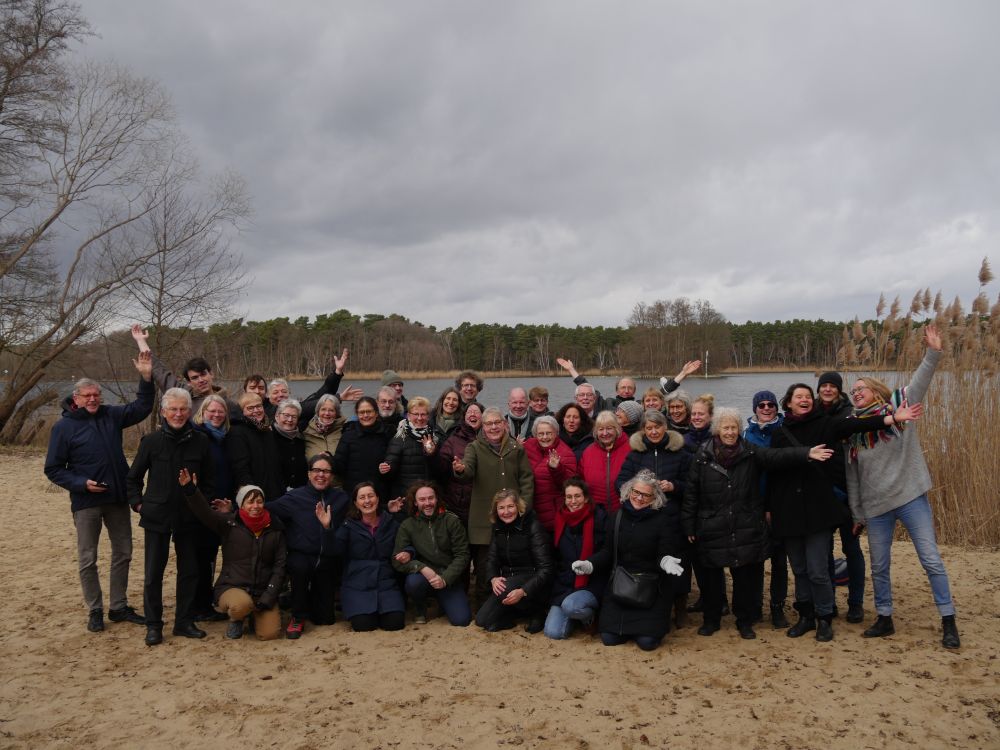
(144, 365)
(141, 337)
(97, 487)
(339, 362)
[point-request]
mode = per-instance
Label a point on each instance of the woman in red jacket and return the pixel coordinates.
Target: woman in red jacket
(601, 462)
(552, 463)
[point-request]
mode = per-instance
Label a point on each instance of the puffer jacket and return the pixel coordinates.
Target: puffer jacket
(549, 481)
(360, 451)
(369, 582)
(303, 531)
(439, 543)
(409, 462)
(667, 460)
(522, 548)
(724, 509)
(252, 458)
(456, 491)
(89, 446)
(254, 564)
(160, 458)
(599, 469)
(492, 470)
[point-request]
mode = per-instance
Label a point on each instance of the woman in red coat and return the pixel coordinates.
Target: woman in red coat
(552, 463)
(601, 462)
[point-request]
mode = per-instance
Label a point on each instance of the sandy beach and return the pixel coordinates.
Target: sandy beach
(437, 686)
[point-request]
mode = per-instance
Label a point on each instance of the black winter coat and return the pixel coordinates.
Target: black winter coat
(644, 538)
(359, 452)
(667, 460)
(520, 548)
(255, 564)
(723, 508)
(801, 499)
(160, 458)
(291, 452)
(303, 531)
(570, 549)
(410, 463)
(253, 460)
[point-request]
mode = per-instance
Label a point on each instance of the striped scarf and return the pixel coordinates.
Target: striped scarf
(879, 409)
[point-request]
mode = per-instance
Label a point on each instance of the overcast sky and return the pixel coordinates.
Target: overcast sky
(561, 161)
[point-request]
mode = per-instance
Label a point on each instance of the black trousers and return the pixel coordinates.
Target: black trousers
(156, 556)
(314, 586)
(748, 583)
(495, 612)
(779, 573)
(374, 621)
(207, 552)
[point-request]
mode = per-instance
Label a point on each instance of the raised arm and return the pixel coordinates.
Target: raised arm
(669, 385)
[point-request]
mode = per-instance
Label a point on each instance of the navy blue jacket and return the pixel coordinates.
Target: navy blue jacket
(89, 446)
(570, 549)
(303, 531)
(369, 585)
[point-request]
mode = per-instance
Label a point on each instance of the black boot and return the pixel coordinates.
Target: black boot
(708, 627)
(695, 606)
(824, 630)
(680, 610)
(95, 621)
(880, 628)
(949, 638)
(806, 622)
(778, 619)
(855, 613)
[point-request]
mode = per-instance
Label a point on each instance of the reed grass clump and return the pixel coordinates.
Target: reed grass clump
(960, 430)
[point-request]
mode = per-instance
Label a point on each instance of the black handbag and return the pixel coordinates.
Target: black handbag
(635, 590)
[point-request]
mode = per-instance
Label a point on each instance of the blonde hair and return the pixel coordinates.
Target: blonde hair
(879, 388)
(506, 494)
(708, 399)
(213, 398)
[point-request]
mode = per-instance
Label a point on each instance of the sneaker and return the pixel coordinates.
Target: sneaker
(855, 613)
(126, 614)
(294, 629)
(880, 628)
(95, 622)
(235, 630)
(420, 614)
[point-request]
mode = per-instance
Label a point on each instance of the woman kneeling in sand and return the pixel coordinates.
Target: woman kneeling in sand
(253, 559)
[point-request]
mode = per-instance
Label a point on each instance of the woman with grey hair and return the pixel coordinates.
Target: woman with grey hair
(289, 444)
(679, 410)
(723, 515)
(552, 463)
(322, 433)
(643, 538)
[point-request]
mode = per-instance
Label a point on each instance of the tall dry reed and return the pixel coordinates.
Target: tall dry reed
(960, 430)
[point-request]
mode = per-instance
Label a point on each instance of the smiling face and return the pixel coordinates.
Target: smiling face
(700, 415)
(606, 435)
(507, 510)
(253, 504)
(287, 418)
(254, 409)
(418, 416)
(729, 432)
(474, 416)
(366, 501)
(862, 396)
(469, 389)
(828, 393)
(766, 411)
(571, 420)
(586, 398)
(367, 414)
(654, 432)
(678, 411)
(450, 403)
(545, 435)
(494, 427)
(214, 414)
(801, 402)
(277, 393)
(386, 404)
(641, 495)
(653, 401)
(517, 402)
(326, 413)
(257, 386)
(574, 498)
(89, 398)
(426, 501)
(539, 404)
(321, 474)
(176, 412)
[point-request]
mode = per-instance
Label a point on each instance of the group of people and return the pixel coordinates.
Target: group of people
(595, 517)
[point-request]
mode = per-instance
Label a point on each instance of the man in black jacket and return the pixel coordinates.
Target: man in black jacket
(164, 513)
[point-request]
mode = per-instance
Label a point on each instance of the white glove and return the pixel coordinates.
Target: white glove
(671, 565)
(583, 567)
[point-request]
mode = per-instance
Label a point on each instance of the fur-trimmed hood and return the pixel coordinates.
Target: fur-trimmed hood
(638, 442)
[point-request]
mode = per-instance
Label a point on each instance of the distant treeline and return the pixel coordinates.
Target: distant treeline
(657, 340)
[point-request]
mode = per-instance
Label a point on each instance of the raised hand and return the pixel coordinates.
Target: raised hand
(907, 413)
(184, 478)
(554, 459)
(933, 337)
(323, 514)
(339, 362)
(144, 364)
(141, 337)
(394, 506)
(689, 368)
(567, 365)
(351, 393)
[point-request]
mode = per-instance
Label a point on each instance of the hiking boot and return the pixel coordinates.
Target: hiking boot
(294, 629)
(95, 621)
(778, 619)
(824, 630)
(949, 638)
(855, 613)
(235, 630)
(880, 628)
(126, 614)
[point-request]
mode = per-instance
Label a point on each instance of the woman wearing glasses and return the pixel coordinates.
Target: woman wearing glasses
(362, 448)
(888, 481)
(310, 562)
(250, 448)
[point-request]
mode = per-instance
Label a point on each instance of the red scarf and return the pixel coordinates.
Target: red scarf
(566, 518)
(256, 525)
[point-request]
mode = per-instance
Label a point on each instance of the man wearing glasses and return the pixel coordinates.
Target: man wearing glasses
(85, 457)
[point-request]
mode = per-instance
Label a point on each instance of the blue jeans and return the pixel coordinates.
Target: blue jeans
(918, 521)
(581, 605)
(454, 603)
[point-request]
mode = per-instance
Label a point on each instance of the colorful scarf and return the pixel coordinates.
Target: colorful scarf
(585, 515)
(256, 525)
(879, 409)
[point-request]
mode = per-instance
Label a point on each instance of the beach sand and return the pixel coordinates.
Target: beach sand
(438, 686)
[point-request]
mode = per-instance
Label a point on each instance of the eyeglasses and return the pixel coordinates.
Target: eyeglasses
(256, 407)
(643, 495)
(366, 412)
(493, 423)
(767, 405)
(859, 389)
(321, 471)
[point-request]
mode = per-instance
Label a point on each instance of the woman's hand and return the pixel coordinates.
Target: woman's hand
(688, 369)
(339, 362)
(144, 365)
(857, 528)
(514, 597)
(384, 468)
(323, 514)
(351, 393)
(907, 413)
(429, 446)
(933, 337)
(403, 557)
(820, 452)
(582, 567)
(222, 504)
(666, 485)
(457, 465)
(554, 459)
(692, 539)
(498, 584)
(184, 478)
(141, 337)
(394, 506)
